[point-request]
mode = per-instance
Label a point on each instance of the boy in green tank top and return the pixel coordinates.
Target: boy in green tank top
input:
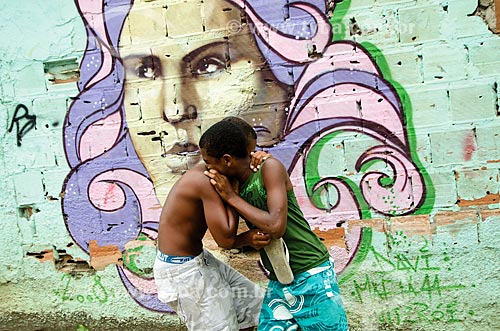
(267, 202)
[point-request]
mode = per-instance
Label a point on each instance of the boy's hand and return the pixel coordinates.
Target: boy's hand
(256, 239)
(257, 158)
(221, 184)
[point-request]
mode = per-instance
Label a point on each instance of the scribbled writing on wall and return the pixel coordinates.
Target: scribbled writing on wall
(416, 280)
(23, 122)
(96, 292)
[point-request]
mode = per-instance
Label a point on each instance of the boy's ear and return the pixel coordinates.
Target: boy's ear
(227, 159)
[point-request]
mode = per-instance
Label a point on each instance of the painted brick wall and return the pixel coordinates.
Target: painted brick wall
(388, 129)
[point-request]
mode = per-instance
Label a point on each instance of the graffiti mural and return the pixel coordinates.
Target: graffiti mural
(154, 77)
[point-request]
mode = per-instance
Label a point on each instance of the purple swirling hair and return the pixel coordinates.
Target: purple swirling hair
(338, 87)
(286, 34)
(108, 194)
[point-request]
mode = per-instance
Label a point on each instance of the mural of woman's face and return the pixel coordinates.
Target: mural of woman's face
(189, 64)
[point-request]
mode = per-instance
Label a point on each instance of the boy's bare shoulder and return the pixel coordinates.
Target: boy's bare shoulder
(273, 163)
(194, 174)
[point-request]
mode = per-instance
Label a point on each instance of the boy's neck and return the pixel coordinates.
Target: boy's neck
(245, 174)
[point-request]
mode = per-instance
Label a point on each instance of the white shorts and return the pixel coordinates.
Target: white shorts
(207, 294)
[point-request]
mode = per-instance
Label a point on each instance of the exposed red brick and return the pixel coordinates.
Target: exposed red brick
(102, 256)
(332, 237)
(497, 11)
(70, 265)
(489, 213)
(377, 224)
(451, 218)
(486, 200)
(411, 225)
(138, 243)
(64, 81)
(43, 256)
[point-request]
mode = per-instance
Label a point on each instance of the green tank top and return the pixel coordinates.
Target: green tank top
(305, 248)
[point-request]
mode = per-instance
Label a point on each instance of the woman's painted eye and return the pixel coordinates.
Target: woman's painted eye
(148, 72)
(148, 68)
(209, 65)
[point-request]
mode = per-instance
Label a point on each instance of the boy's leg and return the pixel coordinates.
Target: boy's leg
(312, 302)
(276, 310)
(205, 302)
(246, 295)
(322, 307)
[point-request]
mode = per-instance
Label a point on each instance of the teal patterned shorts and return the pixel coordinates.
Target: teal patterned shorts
(311, 302)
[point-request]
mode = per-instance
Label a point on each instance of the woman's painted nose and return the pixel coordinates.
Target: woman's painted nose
(175, 109)
(180, 114)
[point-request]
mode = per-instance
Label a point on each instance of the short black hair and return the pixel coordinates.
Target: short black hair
(243, 125)
(224, 137)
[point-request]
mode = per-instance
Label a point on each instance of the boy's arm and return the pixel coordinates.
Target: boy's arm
(222, 221)
(275, 177)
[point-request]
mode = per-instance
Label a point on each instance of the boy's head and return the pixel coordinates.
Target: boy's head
(247, 130)
(223, 146)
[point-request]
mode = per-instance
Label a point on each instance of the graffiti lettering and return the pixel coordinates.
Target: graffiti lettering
(23, 121)
(420, 312)
(411, 287)
(385, 288)
(98, 291)
(402, 262)
(400, 275)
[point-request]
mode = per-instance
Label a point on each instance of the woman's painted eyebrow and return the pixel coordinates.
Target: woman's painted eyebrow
(193, 54)
(139, 56)
(186, 58)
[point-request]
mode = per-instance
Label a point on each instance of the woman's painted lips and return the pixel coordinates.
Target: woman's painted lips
(182, 157)
(260, 129)
(183, 149)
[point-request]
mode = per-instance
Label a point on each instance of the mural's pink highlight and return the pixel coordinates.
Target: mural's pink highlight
(290, 48)
(337, 56)
(345, 209)
(145, 285)
(93, 12)
(352, 100)
(152, 234)
(100, 136)
(106, 196)
(141, 186)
